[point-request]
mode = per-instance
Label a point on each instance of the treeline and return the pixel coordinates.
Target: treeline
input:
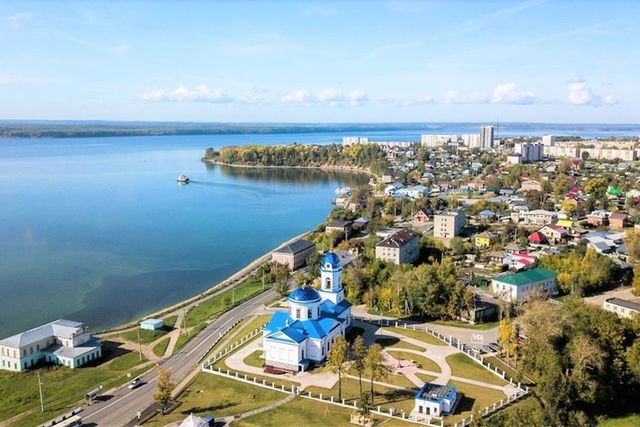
(585, 361)
(365, 156)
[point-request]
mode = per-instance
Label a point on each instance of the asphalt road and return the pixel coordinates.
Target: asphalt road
(122, 406)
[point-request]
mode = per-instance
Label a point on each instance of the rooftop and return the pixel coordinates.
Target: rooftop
(624, 303)
(526, 277)
(59, 328)
(295, 247)
(398, 239)
(436, 392)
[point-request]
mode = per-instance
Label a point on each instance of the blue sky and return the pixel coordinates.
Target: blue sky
(295, 61)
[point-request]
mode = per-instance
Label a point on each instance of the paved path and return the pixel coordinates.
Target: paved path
(236, 362)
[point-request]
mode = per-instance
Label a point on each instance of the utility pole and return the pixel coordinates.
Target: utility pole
(139, 345)
(40, 390)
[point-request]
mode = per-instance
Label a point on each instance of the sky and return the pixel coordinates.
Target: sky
(302, 61)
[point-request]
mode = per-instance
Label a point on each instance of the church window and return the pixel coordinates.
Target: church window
(309, 315)
(297, 313)
(327, 283)
(318, 311)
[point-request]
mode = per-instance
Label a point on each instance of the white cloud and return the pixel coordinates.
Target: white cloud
(301, 96)
(330, 97)
(453, 97)
(508, 93)
(581, 94)
(15, 20)
(420, 100)
(197, 94)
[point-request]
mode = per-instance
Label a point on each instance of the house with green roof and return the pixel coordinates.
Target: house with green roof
(518, 287)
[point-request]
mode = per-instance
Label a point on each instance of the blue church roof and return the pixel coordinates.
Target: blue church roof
(299, 330)
(332, 259)
(305, 294)
(328, 308)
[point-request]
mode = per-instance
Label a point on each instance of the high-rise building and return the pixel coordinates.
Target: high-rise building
(486, 137)
(549, 140)
(437, 140)
(529, 152)
(471, 140)
(350, 140)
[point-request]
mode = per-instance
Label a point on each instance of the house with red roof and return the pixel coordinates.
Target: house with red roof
(537, 238)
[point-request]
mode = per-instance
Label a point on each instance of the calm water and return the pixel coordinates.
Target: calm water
(97, 230)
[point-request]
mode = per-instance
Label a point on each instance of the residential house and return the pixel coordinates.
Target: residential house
(598, 218)
(518, 287)
(360, 223)
(537, 238)
(554, 233)
(402, 247)
(617, 220)
(487, 215)
(622, 307)
(448, 224)
(295, 254)
(422, 216)
(538, 216)
(530, 185)
(484, 240)
(343, 227)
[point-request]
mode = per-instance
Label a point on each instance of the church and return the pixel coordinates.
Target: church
(293, 340)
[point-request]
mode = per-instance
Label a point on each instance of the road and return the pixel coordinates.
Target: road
(121, 407)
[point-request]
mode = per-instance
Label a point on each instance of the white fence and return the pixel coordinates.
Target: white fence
(213, 359)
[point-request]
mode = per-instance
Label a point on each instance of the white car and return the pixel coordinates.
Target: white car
(137, 382)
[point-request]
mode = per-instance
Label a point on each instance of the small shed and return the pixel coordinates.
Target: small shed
(152, 324)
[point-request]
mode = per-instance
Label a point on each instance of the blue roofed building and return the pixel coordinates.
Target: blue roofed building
(434, 400)
(295, 339)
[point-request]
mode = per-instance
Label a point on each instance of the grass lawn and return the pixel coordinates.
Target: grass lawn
(146, 336)
(402, 400)
(185, 338)
(399, 380)
(62, 387)
(171, 321)
(205, 310)
(462, 366)
(475, 398)
(465, 325)
(424, 377)
(498, 363)
(255, 359)
(424, 362)
(528, 402)
(419, 335)
(219, 396)
(630, 420)
(393, 342)
(160, 348)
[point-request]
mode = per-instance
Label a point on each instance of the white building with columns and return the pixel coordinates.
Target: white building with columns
(295, 339)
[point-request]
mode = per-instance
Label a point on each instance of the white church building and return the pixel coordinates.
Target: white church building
(295, 339)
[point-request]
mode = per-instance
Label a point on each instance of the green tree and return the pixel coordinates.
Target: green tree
(164, 388)
(359, 357)
(336, 360)
(375, 366)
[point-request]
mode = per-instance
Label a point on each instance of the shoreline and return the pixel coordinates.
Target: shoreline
(228, 283)
(352, 169)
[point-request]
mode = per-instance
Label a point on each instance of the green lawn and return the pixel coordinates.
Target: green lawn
(399, 380)
(219, 396)
(498, 363)
(419, 335)
(146, 336)
(171, 321)
(62, 387)
(213, 306)
(160, 348)
(185, 338)
(255, 359)
(462, 366)
(402, 400)
(424, 362)
(465, 325)
(631, 420)
(475, 398)
(393, 342)
(426, 378)
(309, 413)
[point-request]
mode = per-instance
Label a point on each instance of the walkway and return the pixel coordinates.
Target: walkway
(236, 362)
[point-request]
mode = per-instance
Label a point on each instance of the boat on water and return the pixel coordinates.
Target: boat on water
(182, 179)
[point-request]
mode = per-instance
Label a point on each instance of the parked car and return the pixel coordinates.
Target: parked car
(135, 383)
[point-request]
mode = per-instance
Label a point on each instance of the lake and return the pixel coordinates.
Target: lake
(97, 229)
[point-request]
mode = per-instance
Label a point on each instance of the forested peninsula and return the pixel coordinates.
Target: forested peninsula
(364, 157)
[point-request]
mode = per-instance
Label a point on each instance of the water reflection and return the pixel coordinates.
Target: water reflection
(290, 175)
